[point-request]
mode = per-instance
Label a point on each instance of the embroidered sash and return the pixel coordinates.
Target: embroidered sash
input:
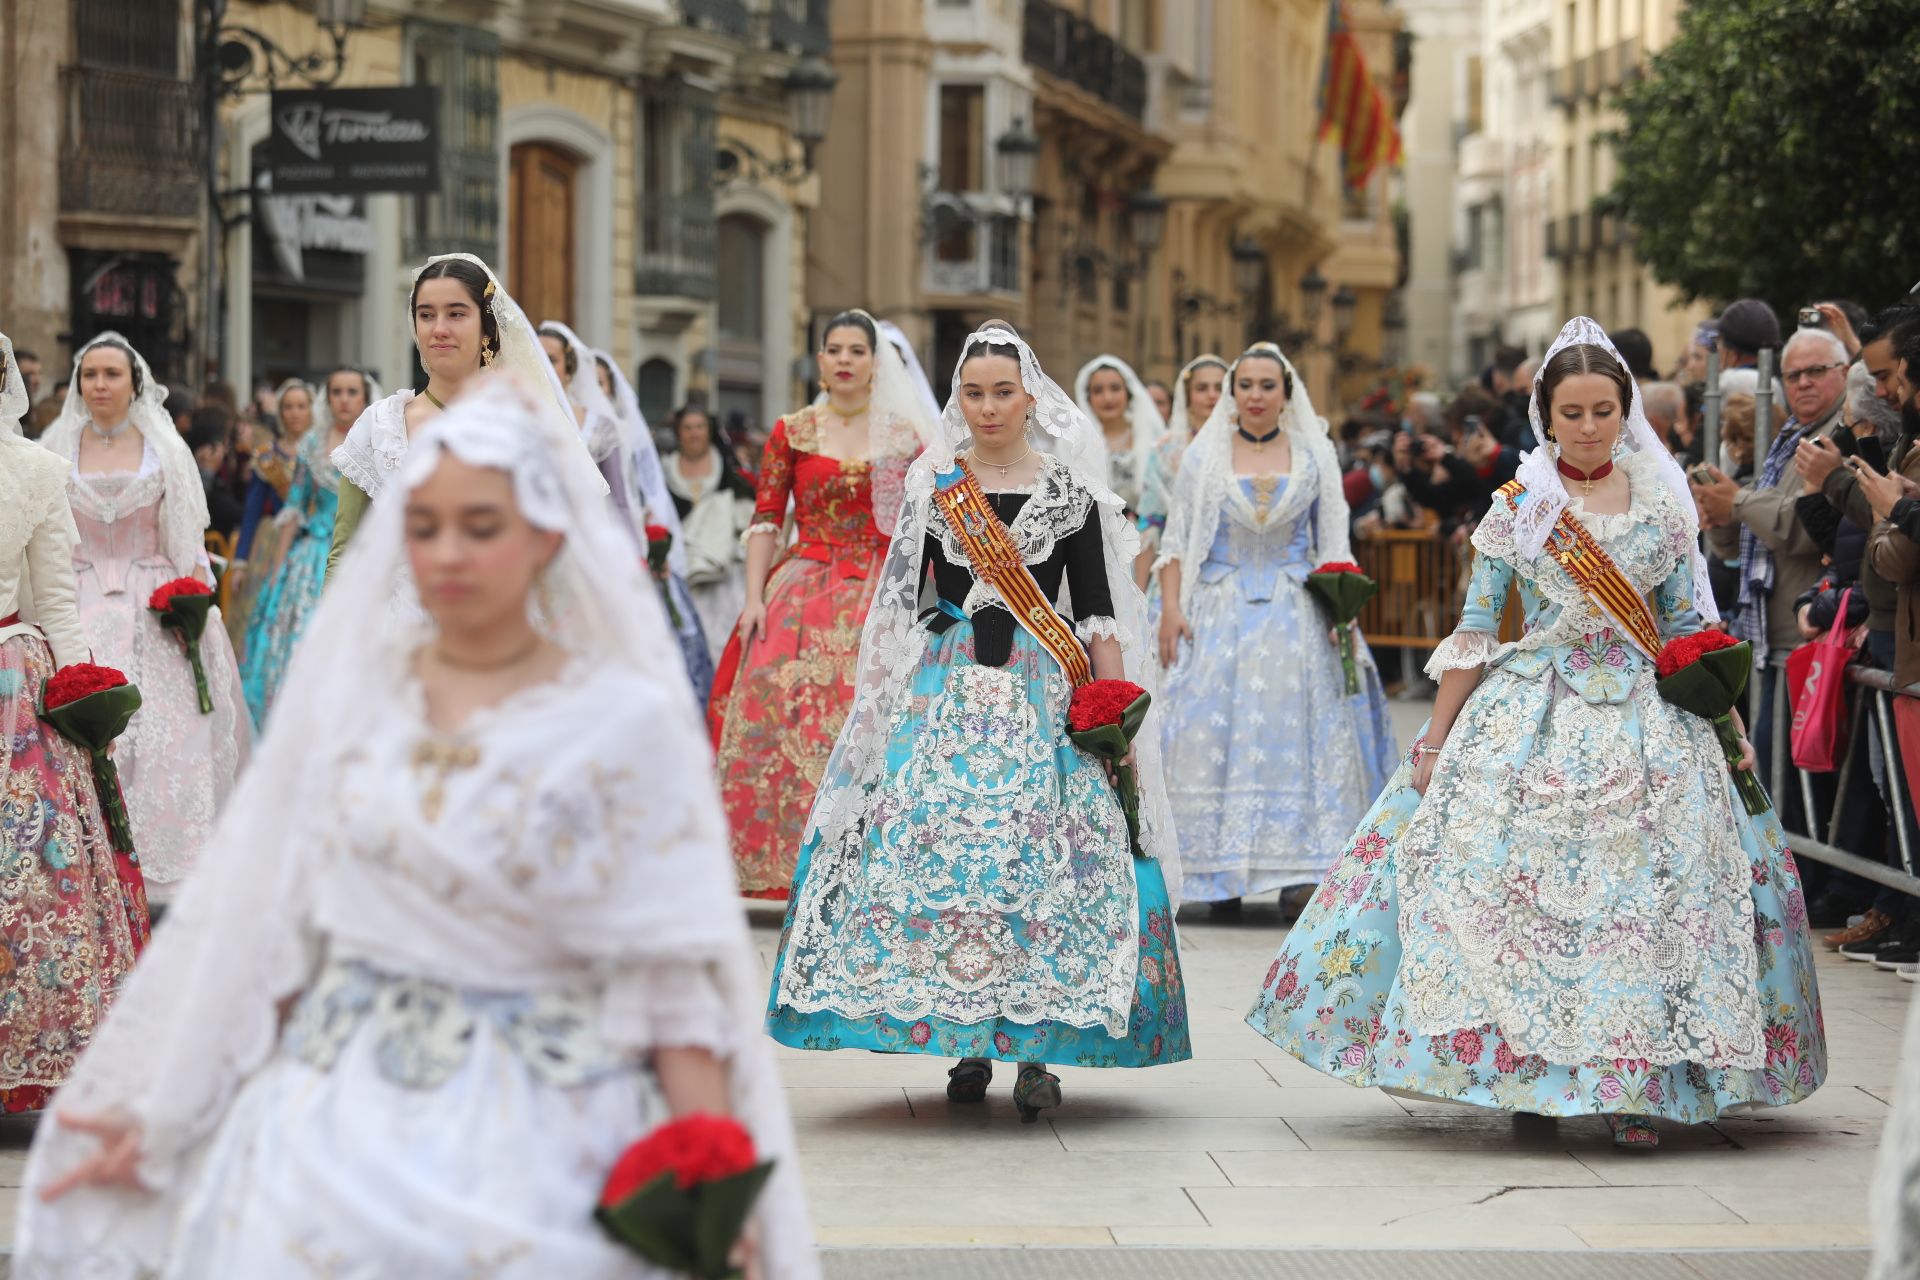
(996, 561)
(1594, 572)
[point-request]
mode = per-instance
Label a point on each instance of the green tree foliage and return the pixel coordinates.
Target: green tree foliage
(1773, 151)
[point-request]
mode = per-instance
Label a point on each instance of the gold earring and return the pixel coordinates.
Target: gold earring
(486, 353)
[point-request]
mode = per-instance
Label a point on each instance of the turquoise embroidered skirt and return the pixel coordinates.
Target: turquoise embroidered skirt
(988, 871)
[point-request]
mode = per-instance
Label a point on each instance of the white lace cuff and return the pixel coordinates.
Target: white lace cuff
(1097, 628)
(1166, 557)
(1462, 651)
(759, 526)
(667, 1004)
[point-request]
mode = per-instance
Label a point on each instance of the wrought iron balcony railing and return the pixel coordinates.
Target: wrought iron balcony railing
(1068, 46)
(799, 26)
(131, 144)
(726, 17)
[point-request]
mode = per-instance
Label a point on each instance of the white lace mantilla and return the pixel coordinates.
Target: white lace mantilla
(1056, 509)
(1646, 560)
(1574, 874)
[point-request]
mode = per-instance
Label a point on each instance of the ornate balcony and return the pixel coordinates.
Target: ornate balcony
(131, 144)
(724, 17)
(1066, 45)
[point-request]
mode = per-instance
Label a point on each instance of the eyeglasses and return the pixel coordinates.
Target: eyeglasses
(1809, 373)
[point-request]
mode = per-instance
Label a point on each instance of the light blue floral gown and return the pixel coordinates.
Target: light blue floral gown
(987, 904)
(1580, 917)
(293, 586)
(1269, 762)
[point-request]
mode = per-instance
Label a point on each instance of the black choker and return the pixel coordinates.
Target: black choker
(1259, 443)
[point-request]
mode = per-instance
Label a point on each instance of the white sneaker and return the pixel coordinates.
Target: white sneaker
(1909, 972)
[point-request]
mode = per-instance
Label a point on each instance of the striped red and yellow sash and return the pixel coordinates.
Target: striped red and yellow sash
(1593, 570)
(997, 562)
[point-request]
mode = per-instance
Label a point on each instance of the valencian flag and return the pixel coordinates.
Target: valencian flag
(1352, 106)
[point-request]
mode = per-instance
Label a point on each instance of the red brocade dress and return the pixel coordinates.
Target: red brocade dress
(775, 716)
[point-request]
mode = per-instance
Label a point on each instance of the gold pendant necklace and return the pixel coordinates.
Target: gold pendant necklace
(433, 399)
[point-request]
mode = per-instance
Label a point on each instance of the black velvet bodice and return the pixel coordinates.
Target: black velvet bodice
(1078, 557)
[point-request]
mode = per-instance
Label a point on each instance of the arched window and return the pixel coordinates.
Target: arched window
(740, 363)
(654, 386)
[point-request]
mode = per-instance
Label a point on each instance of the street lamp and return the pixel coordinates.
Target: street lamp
(1313, 291)
(1018, 149)
(810, 87)
(1147, 212)
(241, 51)
(1249, 260)
(1345, 302)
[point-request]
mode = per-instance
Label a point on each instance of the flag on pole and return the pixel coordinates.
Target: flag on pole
(1352, 106)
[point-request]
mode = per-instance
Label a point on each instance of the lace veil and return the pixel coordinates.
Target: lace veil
(899, 426)
(14, 404)
(1547, 492)
(183, 512)
(200, 1015)
(1147, 425)
(1207, 487)
(1177, 424)
(897, 339)
(644, 460)
(894, 641)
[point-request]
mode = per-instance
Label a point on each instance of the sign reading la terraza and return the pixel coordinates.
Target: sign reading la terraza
(354, 141)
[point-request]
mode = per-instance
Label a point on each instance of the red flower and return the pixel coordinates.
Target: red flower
(1339, 566)
(920, 1032)
(1102, 702)
(1503, 1060)
(1684, 651)
(696, 1148)
(659, 533)
(164, 593)
(74, 682)
(1467, 1046)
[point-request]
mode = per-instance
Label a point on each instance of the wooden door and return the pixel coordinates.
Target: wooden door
(541, 229)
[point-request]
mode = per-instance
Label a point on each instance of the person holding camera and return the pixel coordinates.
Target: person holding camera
(1779, 558)
(1458, 483)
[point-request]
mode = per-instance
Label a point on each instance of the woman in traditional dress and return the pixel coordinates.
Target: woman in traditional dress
(657, 507)
(142, 515)
(1269, 760)
(412, 1039)
(73, 913)
(715, 503)
(463, 322)
(270, 472)
(968, 887)
(297, 571)
(1559, 905)
(785, 678)
(1114, 399)
(1195, 392)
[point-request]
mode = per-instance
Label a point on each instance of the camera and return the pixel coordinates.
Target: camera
(1810, 318)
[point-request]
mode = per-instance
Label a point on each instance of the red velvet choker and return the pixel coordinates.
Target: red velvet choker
(1586, 478)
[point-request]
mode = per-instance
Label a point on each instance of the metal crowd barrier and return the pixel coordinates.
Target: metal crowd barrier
(1423, 580)
(1874, 694)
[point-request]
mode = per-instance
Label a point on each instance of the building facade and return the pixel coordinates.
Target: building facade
(626, 166)
(1598, 45)
(101, 224)
(1533, 242)
(1211, 106)
(1442, 102)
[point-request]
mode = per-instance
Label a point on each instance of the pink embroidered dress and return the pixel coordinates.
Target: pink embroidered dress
(177, 765)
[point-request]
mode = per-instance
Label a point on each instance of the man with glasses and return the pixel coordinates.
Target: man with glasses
(1779, 557)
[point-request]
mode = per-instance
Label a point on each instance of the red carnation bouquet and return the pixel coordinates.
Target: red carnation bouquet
(1104, 718)
(90, 706)
(182, 605)
(1706, 673)
(680, 1196)
(659, 543)
(1345, 589)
